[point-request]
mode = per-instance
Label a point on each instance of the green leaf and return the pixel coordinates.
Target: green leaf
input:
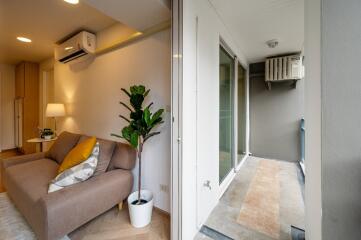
(157, 121)
(137, 101)
(134, 139)
(146, 116)
(136, 115)
(126, 132)
(156, 116)
(137, 89)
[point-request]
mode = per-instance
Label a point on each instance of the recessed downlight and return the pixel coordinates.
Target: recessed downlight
(72, 1)
(24, 39)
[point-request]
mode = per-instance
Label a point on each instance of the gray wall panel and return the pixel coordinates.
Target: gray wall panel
(341, 119)
(275, 117)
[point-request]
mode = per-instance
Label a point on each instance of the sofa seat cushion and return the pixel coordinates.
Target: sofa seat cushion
(30, 181)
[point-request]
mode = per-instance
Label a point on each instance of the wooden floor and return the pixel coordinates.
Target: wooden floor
(3, 155)
(8, 153)
(115, 225)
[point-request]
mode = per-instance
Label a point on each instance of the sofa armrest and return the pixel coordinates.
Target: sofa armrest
(8, 162)
(22, 159)
(69, 208)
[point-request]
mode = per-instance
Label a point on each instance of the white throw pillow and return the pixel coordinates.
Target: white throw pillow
(76, 174)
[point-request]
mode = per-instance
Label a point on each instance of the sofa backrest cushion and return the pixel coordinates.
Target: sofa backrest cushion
(106, 149)
(62, 146)
(78, 154)
(124, 157)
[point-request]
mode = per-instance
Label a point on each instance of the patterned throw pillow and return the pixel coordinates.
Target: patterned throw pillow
(76, 174)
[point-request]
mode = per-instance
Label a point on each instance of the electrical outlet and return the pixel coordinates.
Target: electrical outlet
(164, 188)
(168, 108)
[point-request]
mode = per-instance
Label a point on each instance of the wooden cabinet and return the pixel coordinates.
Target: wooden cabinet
(20, 81)
(27, 90)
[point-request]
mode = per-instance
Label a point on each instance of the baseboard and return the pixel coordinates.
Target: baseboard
(161, 211)
(8, 150)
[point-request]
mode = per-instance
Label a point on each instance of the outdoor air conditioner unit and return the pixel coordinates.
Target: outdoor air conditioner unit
(284, 68)
(80, 45)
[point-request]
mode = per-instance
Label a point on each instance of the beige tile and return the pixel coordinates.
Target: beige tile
(260, 209)
(290, 212)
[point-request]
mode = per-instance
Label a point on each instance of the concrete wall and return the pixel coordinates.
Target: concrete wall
(275, 117)
(341, 119)
(91, 92)
(202, 30)
(313, 208)
(7, 97)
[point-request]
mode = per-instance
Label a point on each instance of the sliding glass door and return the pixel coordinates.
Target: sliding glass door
(226, 113)
(241, 112)
(232, 112)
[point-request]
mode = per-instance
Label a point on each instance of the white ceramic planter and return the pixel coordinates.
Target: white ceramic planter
(140, 215)
(48, 137)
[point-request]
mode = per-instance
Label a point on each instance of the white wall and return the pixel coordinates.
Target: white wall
(91, 92)
(7, 88)
(201, 111)
(313, 118)
(46, 91)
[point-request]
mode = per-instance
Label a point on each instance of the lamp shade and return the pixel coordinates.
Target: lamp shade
(55, 110)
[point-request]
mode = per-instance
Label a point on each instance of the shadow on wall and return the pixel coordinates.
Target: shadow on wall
(275, 117)
(82, 64)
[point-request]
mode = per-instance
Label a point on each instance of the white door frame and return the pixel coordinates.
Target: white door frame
(0, 115)
(176, 136)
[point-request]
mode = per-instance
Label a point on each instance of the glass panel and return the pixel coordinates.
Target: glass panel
(226, 76)
(241, 112)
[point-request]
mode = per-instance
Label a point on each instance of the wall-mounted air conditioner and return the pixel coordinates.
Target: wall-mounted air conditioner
(284, 68)
(80, 45)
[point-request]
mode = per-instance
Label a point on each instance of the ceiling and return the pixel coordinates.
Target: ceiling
(152, 12)
(45, 22)
(253, 22)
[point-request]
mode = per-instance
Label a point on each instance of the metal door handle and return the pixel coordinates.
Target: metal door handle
(207, 184)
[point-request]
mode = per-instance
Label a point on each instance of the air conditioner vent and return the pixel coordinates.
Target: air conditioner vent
(284, 68)
(76, 47)
(73, 56)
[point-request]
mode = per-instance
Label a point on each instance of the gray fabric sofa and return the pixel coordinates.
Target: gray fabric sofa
(52, 216)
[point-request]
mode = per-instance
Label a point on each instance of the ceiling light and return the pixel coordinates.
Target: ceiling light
(24, 39)
(72, 1)
(272, 43)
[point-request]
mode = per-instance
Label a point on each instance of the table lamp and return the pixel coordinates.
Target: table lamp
(55, 110)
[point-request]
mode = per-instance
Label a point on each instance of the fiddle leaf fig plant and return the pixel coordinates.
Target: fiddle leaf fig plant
(141, 123)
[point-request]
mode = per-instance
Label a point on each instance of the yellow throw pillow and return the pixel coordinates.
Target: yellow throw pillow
(78, 154)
